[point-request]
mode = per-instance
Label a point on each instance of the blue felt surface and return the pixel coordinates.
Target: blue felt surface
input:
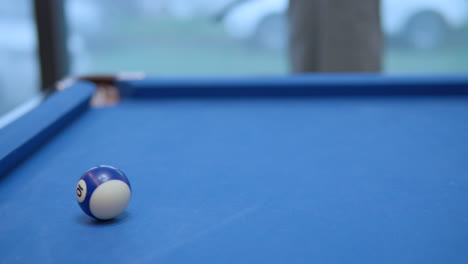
(252, 180)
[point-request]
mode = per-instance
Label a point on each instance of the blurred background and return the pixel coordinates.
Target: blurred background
(212, 37)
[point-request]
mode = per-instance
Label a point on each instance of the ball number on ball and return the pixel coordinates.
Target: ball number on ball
(81, 191)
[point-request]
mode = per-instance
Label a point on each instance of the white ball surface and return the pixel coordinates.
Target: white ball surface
(109, 199)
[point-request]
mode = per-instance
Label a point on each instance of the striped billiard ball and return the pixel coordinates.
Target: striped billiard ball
(103, 192)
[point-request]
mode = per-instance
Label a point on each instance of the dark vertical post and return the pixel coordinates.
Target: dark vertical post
(335, 35)
(52, 41)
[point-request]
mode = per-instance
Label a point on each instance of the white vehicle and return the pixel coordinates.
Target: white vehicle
(182, 9)
(421, 24)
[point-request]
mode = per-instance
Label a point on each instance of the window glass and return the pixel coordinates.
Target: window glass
(178, 37)
(245, 37)
(18, 63)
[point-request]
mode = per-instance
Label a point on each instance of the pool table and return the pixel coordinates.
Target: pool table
(320, 168)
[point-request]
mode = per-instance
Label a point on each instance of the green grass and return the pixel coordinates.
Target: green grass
(196, 59)
(454, 60)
